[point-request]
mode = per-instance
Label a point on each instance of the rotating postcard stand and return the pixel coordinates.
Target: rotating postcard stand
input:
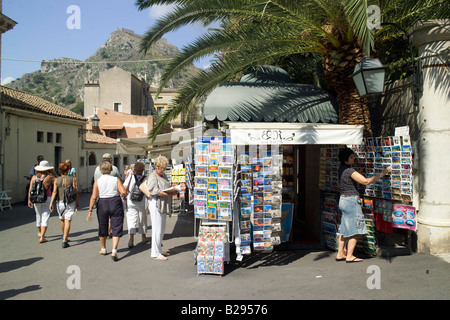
(213, 203)
(260, 199)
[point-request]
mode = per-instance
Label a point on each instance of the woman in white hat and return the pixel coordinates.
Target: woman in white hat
(43, 174)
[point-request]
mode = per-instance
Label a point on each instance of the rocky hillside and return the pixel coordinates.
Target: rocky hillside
(61, 80)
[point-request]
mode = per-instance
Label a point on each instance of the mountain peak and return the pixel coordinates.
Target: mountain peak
(62, 80)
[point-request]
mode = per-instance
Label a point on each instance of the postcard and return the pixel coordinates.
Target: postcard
(212, 197)
(224, 208)
(201, 148)
(225, 160)
(200, 209)
(245, 225)
(200, 182)
(213, 161)
(225, 195)
(212, 184)
(201, 159)
(225, 172)
(244, 159)
(200, 194)
(226, 149)
(214, 148)
(212, 211)
(224, 184)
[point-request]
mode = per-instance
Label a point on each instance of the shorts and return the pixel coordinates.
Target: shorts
(65, 212)
(352, 219)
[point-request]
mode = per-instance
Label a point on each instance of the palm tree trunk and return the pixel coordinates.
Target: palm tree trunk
(352, 108)
(338, 66)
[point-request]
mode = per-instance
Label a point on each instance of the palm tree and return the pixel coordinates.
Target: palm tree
(257, 32)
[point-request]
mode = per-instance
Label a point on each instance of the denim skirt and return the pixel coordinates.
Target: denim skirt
(352, 219)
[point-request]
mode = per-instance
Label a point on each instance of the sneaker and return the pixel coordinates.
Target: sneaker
(114, 256)
(103, 252)
(65, 245)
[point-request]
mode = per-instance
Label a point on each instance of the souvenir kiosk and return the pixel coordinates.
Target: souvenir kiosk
(274, 130)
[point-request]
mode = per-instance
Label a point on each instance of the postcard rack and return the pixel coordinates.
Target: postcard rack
(213, 202)
(387, 203)
(177, 175)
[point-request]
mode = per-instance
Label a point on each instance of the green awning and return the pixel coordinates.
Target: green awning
(268, 95)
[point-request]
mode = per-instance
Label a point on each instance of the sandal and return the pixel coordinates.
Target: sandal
(160, 258)
(355, 259)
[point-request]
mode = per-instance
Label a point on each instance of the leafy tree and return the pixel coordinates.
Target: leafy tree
(255, 32)
(79, 108)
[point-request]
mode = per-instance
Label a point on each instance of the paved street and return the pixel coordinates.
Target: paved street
(29, 270)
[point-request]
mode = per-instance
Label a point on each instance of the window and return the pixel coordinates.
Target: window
(118, 107)
(92, 159)
(49, 136)
(160, 110)
(59, 138)
(40, 136)
(113, 134)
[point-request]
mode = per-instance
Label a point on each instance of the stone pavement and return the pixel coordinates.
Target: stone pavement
(33, 271)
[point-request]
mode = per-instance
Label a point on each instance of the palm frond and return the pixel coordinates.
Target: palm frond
(219, 73)
(144, 4)
(357, 13)
(231, 40)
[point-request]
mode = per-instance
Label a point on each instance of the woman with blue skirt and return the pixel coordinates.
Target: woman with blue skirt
(352, 219)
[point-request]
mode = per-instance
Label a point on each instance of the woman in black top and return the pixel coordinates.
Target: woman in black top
(352, 220)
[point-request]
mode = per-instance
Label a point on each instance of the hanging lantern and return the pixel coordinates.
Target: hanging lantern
(368, 76)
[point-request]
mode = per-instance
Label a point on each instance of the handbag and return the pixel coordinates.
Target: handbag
(143, 187)
(70, 193)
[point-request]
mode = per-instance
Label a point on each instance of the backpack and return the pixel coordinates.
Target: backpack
(70, 193)
(37, 193)
(136, 194)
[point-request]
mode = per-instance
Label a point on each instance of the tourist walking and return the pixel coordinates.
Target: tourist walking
(114, 171)
(352, 221)
(136, 208)
(65, 207)
(72, 171)
(39, 196)
(160, 206)
(107, 193)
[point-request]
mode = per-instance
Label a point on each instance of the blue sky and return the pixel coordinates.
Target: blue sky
(42, 32)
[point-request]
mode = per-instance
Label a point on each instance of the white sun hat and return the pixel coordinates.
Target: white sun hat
(43, 166)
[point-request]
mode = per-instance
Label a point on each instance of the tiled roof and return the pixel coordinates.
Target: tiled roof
(98, 138)
(27, 101)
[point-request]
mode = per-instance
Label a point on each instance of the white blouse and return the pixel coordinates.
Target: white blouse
(107, 186)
